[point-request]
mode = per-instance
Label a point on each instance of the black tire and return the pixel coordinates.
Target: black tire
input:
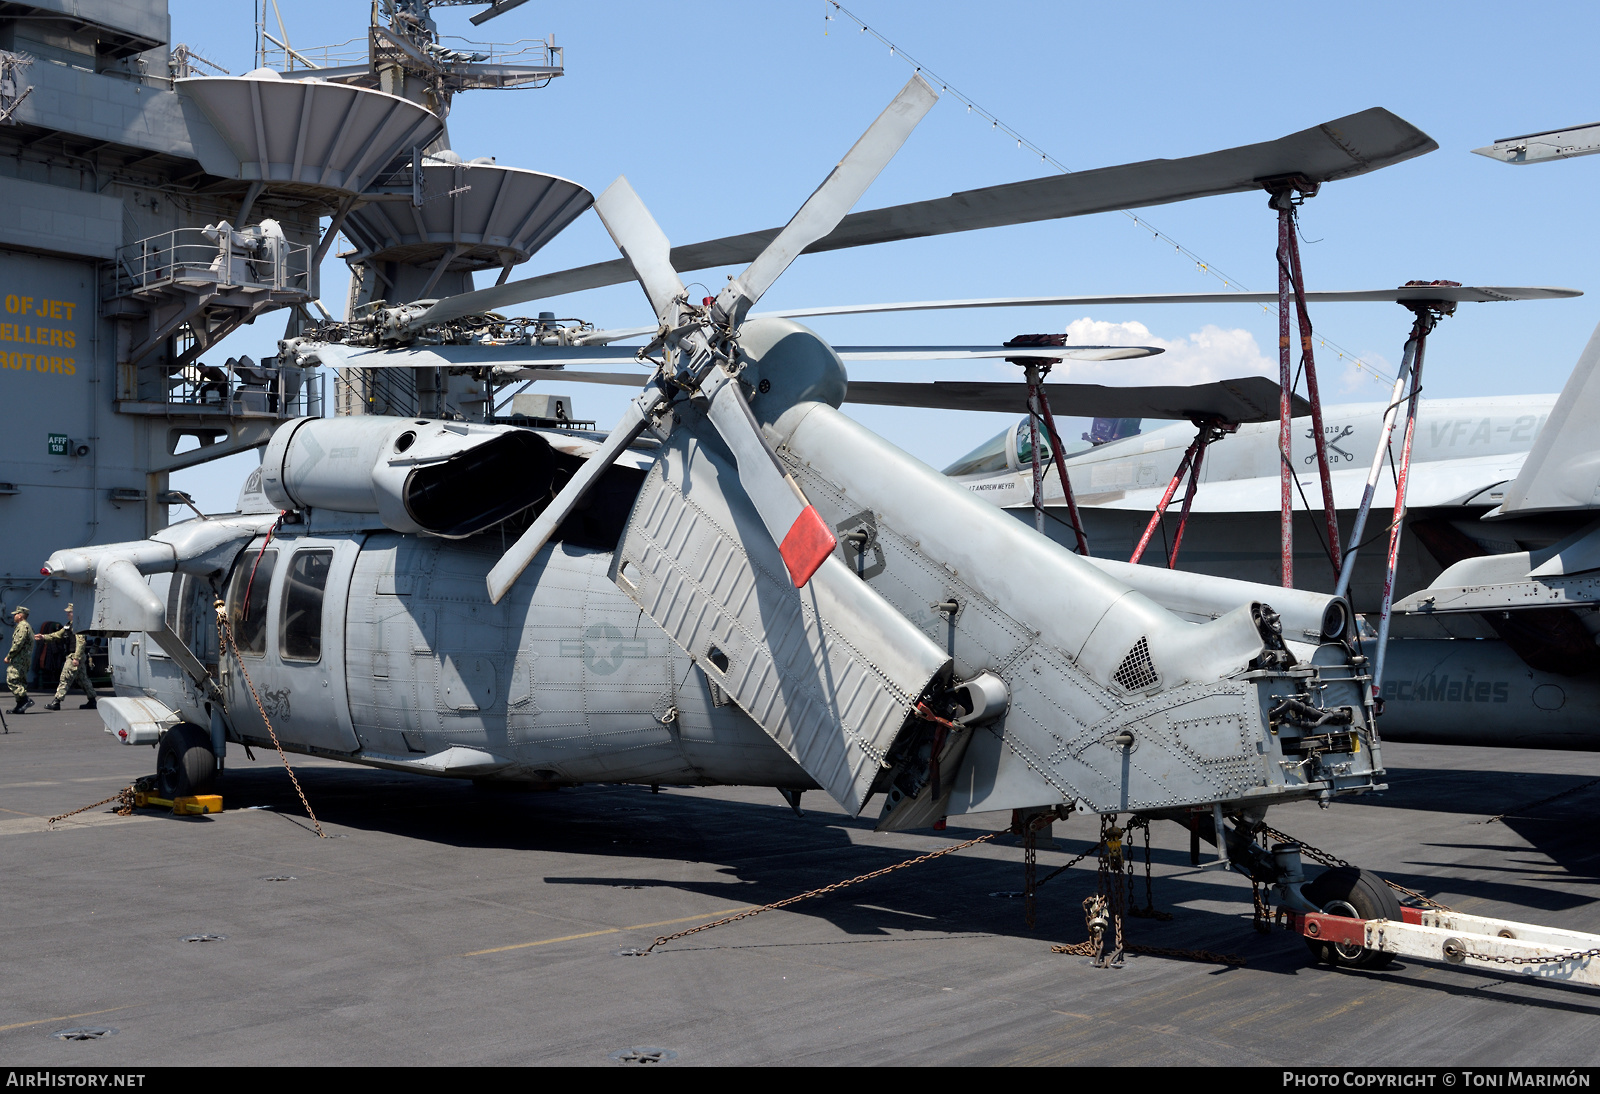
(185, 764)
(1341, 891)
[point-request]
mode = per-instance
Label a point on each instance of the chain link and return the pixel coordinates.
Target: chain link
(1541, 801)
(1262, 920)
(1334, 860)
(225, 630)
(123, 796)
(931, 855)
(1105, 910)
(1030, 862)
(1063, 869)
(1149, 909)
(1553, 959)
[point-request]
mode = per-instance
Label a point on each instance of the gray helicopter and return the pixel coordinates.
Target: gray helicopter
(737, 585)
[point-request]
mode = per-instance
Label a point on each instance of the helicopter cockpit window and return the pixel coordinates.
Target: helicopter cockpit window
(986, 458)
(247, 600)
(300, 627)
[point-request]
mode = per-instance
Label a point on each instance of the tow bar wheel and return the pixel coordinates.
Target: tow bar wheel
(1358, 894)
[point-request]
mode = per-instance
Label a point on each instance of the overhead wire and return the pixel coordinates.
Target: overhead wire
(1156, 234)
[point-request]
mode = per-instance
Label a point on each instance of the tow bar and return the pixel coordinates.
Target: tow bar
(1430, 935)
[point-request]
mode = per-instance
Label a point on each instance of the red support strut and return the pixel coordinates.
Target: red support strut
(1291, 282)
(1036, 369)
(1210, 430)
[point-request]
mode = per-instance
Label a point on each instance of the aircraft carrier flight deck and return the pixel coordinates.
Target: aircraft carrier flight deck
(447, 925)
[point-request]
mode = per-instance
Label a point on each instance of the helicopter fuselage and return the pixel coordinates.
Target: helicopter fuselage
(382, 648)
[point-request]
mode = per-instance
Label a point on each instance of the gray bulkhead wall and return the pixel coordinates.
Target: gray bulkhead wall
(565, 676)
(50, 253)
(58, 379)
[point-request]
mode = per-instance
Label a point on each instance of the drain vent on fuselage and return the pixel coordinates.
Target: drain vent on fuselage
(1137, 671)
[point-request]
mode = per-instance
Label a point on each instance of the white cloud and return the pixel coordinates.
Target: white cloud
(1360, 382)
(1211, 353)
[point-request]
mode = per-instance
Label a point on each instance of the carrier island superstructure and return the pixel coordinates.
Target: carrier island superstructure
(151, 203)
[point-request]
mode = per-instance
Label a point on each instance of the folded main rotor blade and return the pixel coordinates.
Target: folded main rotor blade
(506, 571)
(975, 353)
(1473, 294)
(1342, 148)
(556, 357)
(1246, 399)
(1243, 399)
(643, 244)
(843, 187)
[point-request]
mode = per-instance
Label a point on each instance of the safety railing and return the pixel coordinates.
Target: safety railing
(221, 255)
(243, 387)
(446, 49)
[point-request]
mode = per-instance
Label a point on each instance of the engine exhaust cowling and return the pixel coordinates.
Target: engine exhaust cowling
(447, 479)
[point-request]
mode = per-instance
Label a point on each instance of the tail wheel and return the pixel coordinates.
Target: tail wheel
(1358, 894)
(185, 764)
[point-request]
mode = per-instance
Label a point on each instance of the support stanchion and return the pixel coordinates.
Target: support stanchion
(1402, 480)
(1288, 192)
(1208, 431)
(1035, 369)
(1407, 393)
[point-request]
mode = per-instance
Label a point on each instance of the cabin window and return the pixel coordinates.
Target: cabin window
(247, 600)
(300, 628)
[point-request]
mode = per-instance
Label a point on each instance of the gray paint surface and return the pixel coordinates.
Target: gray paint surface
(363, 959)
(37, 216)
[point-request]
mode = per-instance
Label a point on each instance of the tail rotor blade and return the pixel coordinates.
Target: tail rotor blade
(521, 553)
(840, 191)
(643, 243)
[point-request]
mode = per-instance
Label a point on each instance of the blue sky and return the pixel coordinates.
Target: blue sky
(725, 117)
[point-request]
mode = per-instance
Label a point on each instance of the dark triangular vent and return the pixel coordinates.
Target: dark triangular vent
(1137, 672)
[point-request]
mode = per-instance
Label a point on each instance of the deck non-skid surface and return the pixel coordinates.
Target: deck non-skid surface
(448, 925)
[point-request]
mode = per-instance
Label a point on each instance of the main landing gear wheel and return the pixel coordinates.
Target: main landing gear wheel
(185, 764)
(1347, 891)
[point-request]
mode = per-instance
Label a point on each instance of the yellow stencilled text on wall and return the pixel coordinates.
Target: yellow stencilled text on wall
(32, 334)
(39, 362)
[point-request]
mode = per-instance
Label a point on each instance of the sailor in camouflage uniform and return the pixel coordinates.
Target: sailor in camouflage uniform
(75, 670)
(18, 659)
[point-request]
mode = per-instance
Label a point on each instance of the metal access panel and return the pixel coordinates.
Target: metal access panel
(831, 672)
(1086, 659)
